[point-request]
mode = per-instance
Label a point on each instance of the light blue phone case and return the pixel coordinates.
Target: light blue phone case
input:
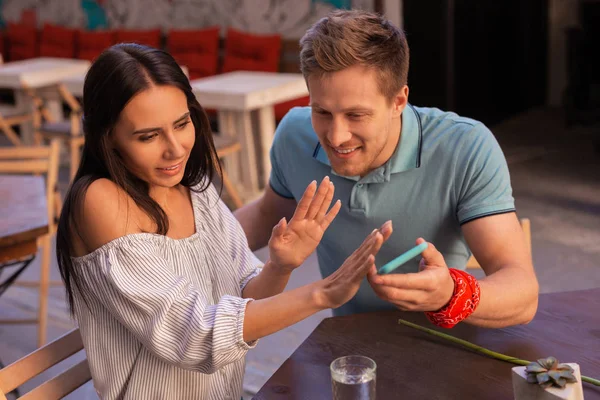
(403, 258)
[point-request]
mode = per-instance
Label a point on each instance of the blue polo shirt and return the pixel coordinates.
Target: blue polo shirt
(447, 170)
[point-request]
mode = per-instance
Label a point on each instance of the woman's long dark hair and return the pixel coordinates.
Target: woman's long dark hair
(118, 74)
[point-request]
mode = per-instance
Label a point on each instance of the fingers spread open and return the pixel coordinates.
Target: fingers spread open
(319, 199)
(304, 203)
(329, 217)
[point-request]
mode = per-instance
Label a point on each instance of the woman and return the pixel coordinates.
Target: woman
(158, 273)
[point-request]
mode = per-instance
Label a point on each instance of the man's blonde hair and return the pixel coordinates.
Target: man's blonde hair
(346, 38)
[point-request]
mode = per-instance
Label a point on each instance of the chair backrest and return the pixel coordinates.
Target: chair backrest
(57, 41)
(22, 41)
(526, 225)
(35, 160)
(251, 52)
(149, 37)
(21, 371)
(196, 49)
(91, 43)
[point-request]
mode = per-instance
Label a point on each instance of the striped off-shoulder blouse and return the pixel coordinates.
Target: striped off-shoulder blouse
(164, 317)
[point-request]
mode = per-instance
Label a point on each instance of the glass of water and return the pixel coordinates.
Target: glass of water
(353, 378)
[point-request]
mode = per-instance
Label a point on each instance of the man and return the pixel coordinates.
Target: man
(436, 175)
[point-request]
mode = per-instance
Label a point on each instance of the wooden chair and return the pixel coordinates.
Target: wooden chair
(10, 116)
(23, 370)
(69, 131)
(227, 146)
(525, 224)
(37, 160)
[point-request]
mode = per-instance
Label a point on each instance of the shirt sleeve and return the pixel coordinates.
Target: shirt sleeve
(484, 179)
(163, 310)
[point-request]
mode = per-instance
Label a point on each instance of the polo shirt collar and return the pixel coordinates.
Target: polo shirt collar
(408, 153)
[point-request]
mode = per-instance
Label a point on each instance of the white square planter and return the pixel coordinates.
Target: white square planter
(524, 390)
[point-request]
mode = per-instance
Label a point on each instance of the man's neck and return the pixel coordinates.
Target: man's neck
(391, 147)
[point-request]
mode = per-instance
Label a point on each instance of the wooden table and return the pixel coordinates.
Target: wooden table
(416, 365)
(235, 95)
(39, 73)
(23, 215)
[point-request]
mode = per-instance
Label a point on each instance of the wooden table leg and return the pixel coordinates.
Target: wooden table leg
(249, 161)
(227, 129)
(24, 103)
(266, 132)
(43, 289)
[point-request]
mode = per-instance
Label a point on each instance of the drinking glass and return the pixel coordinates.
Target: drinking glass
(353, 378)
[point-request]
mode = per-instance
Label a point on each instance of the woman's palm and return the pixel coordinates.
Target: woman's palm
(291, 243)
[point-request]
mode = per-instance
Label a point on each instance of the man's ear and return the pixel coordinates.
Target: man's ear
(400, 101)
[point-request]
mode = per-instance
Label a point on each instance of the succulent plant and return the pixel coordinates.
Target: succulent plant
(548, 372)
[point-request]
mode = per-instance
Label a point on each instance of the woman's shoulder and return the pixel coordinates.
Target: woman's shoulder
(106, 213)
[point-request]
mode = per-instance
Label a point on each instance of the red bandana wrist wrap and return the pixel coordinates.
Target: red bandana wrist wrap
(462, 304)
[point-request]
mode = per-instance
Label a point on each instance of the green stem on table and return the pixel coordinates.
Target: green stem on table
(483, 350)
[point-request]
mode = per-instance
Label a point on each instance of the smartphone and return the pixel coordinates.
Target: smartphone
(402, 259)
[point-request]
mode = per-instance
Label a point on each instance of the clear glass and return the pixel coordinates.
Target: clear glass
(353, 378)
